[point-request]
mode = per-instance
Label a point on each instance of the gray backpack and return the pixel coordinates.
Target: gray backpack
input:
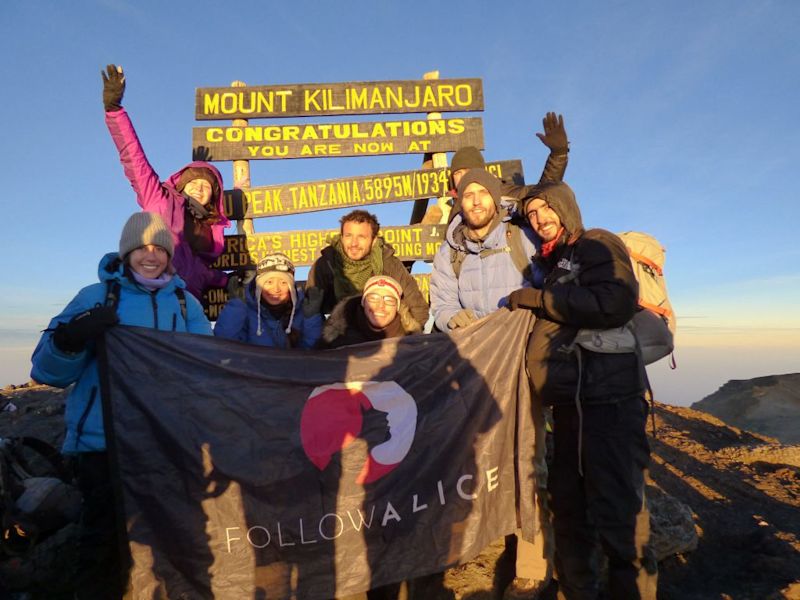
(652, 329)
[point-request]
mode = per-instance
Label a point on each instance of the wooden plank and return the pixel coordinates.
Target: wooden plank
(349, 98)
(351, 192)
(315, 140)
(410, 242)
(241, 173)
(214, 299)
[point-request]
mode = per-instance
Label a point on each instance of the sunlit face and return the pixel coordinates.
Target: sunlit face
(477, 206)
(457, 175)
(544, 220)
(199, 189)
(357, 239)
(149, 261)
(275, 290)
(380, 310)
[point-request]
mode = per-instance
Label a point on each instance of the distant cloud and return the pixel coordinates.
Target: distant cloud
(733, 336)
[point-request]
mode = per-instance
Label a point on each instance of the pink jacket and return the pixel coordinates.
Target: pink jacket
(161, 197)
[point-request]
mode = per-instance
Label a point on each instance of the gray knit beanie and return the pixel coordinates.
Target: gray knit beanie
(484, 178)
(145, 228)
(468, 157)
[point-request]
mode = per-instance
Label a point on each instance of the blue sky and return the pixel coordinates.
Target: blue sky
(682, 115)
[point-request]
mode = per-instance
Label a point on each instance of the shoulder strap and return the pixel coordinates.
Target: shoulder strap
(182, 301)
(112, 293)
(513, 246)
(518, 255)
(456, 260)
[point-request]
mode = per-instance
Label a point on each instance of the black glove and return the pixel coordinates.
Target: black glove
(202, 153)
(237, 283)
(462, 318)
(113, 87)
(554, 136)
(87, 326)
(312, 303)
(525, 298)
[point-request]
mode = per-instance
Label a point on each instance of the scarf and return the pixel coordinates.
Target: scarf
(152, 284)
(349, 276)
(548, 247)
(197, 210)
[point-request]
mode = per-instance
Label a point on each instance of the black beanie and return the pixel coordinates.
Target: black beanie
(468, 157)
(484, 178)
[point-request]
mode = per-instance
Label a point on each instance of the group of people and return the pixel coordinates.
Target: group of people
(507, 247)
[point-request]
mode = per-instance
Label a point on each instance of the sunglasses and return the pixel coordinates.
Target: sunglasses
(376, 299)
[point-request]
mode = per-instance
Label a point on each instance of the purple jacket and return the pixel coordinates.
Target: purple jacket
(161, 197)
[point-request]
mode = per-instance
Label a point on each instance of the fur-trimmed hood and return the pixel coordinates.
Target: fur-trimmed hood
(344, 319)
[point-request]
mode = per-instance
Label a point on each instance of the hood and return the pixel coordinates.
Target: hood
(562, 200)
(111, 268)
(173, 181)
(344, 316)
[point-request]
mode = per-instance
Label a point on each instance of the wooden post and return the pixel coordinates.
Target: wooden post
(439, 159)
(432, 161)
(241, 175)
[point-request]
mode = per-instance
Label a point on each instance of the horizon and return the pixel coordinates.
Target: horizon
(682, 122)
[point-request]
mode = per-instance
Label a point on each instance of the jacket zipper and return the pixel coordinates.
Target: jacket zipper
(155, 309)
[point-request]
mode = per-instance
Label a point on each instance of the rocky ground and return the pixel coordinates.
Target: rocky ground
(743, 490)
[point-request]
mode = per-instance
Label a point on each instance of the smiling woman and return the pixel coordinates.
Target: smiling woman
(137, 287)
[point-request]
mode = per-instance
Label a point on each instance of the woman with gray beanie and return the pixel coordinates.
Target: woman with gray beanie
(138, 286)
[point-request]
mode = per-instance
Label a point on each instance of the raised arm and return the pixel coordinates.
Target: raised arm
(555, 138)
(142, 176)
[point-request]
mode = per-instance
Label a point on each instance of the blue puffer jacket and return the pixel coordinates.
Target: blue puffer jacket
(484, 282)
(137, 306)
(239, 321)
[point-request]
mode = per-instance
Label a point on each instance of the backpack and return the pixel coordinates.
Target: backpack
(652, 329)
(656, 323)
(513, 246)
(39, 509)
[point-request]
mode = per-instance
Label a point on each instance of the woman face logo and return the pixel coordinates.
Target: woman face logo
(333, 416)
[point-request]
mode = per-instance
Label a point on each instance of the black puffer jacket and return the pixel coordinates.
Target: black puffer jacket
(588, 283)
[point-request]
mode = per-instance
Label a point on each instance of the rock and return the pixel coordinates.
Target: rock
(672, 529)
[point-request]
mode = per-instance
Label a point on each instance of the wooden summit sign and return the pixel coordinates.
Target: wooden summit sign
(316, 140)
(411, 242)
(351, 192)
(353, 98)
